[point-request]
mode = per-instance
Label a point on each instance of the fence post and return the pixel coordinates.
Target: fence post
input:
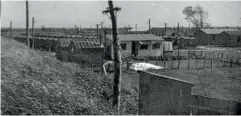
(231, 62)
(204, 62)
(178, 64)
(213, 55)
(211, 63)
(188, 63)
(172, 64)
(196, 63)
(209, 54)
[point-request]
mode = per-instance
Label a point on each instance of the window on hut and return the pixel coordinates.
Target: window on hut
(144, 47)
(123, 46)
(156, 46)
(238, 40)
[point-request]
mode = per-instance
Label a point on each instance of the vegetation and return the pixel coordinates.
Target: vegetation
(34, 82)
(196, 15)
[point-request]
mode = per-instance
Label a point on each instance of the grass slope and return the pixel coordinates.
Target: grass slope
(35, 83)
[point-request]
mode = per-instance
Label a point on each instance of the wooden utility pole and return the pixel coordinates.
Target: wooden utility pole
(178, 29)
(27, 22)
(165, 29)
(149, 26)
(97, 30)
(189, 28)
(117, 55)
(10, 34)
(33, 32)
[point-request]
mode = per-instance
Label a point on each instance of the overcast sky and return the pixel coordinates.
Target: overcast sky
(87, 13)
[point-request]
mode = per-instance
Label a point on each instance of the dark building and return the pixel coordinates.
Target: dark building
(210, 36)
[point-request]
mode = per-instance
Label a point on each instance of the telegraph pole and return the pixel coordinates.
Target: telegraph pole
(10, 34)
(97, 30)
(165, 29)
(33, 32)
(149, 26)
(189, 28)
(27, 22)
(117, 55)
(178, 29)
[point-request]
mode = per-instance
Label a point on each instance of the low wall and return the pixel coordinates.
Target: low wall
(162, 95)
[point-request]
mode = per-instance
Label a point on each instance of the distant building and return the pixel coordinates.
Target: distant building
(187, 42)
(139, 45)
(210, 36)
(75, 50)
(230, 38)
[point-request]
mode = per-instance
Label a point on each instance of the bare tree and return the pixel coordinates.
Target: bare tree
(196, 15)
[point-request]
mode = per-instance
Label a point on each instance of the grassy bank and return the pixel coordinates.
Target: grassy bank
(34, 82)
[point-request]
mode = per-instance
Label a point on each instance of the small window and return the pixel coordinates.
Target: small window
(156, 46)
(144, 47)
(238, 40)
(123, 46)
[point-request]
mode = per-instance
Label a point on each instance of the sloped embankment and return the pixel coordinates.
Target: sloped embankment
(33, 83)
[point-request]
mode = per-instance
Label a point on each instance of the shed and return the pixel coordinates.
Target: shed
(230, 38)
(63, 51)
(139, 45)
(210, 36)
(185, 42)
(86, 51)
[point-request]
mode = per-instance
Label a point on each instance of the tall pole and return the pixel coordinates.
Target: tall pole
(178, 29)
(117, 55)
(27, 22)
(33, 32)
(97, 30)
(189, 28)
(10, 34)
(149, 26)
(165, 29)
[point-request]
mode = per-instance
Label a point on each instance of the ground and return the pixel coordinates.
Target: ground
(221, 83)
(35, 82)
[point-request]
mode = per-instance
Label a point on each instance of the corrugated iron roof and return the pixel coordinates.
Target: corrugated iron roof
(233, 32)
(87, 44)
(217, 31)
(63, 42)
(137, 37)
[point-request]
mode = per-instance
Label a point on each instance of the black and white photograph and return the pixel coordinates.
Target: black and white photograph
(120, 57)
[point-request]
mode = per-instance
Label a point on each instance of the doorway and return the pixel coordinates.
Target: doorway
(134, 50)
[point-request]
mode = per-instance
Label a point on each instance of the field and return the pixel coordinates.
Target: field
(34, 82)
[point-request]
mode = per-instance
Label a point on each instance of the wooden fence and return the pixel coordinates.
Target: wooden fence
(194, 64)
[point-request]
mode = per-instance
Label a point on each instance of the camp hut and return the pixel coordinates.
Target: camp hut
(210, 36)
(63, 50)
(139, 45)
(230, 38)
(187, 42)
(86, 51)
